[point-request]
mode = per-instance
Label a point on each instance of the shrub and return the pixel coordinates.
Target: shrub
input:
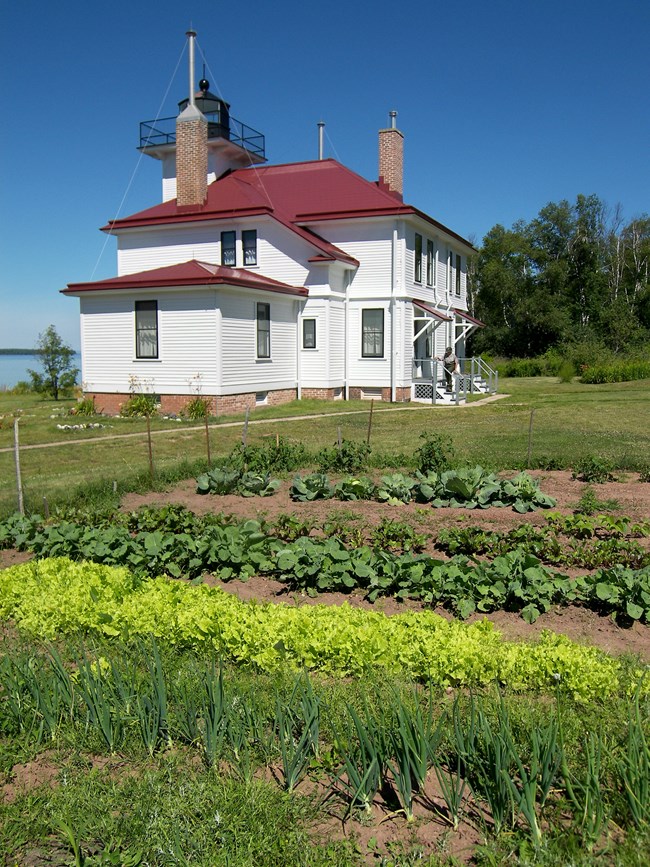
(21, 388)
(435, 454)
(594, 469)
(139, 405)
(518, 367)
(197, 409)
(566, 372)
(616, 372)
(351, 457)
(278, 454)
(85, 407)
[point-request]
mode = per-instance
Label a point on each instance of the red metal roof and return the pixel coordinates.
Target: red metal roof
(294, 194)
(432, 311)
(465, 315)
(192, 273)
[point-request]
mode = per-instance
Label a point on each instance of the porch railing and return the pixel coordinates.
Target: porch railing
(475, 376)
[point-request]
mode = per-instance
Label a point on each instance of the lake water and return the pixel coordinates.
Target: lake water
(13, 368)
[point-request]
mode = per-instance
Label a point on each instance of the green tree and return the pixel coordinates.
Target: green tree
(575, 274)
(58, 375)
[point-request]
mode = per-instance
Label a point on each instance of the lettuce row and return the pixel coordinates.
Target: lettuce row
(57, 596)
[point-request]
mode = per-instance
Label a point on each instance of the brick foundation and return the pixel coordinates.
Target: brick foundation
(402, 394)
(173, 404)
(322, 393)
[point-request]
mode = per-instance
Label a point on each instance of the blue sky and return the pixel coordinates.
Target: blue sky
(505, 106)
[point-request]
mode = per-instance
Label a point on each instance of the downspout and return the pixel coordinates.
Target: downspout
(346, 332)
(393, 268)
(301, 310)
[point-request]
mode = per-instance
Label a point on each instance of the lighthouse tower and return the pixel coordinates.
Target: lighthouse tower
(200, 144)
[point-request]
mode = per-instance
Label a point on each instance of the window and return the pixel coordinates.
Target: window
(418, 258)
(450, 270)
(372, 333)
(263, 330)
(309, 334)
(228, 255)
(429, 263)
(249, 243)
(146, 329)
(458, 271)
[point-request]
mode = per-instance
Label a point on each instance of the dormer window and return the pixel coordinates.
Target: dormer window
(249, 244)
(228, 254)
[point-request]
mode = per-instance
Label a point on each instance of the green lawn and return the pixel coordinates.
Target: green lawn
(571, 421)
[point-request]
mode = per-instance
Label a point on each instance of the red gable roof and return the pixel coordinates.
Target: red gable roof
(294, 194)
(192, 273)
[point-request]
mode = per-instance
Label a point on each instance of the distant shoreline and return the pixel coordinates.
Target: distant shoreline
(18, 351)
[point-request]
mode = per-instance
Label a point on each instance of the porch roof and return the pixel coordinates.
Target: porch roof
(431, 310)
(465, 315)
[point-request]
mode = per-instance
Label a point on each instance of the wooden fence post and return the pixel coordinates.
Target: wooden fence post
(372, 404)
(207, 439)
(148, 417)
(19, 480)
(530, 437)
(244, 434)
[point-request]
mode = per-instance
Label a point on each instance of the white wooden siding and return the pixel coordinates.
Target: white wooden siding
(241, 369)
(372, 245)
(367, 371)
(186, 341)
(157, 248)
(281, 254)
(314, 362)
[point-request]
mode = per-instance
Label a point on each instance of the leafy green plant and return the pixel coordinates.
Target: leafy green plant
(219, 480)
(351, 456)
(213, 715)
(397, 536)
(470, 488)
(354, 488)
(276, 455)
(531, 784)
(395, 489)
(257, 484)
(426, 486)
(620, 591)
(566, 372)
(363, 751)
(197, 409)
(594, 469)
(297, 733)
(344, 530)
(523, 493)
(435, 454)
(589, 503)
(633, 766)
(139, 405)
(84, 407)
(312, 487)
(288, 528)
(57, 597)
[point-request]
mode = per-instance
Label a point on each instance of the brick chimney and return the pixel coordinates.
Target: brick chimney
(191, 157)
(191, 146)
(391, 159)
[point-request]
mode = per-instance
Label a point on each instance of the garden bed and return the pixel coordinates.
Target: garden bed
(631, 496)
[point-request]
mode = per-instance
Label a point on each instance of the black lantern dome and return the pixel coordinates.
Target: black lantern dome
(215, 110)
